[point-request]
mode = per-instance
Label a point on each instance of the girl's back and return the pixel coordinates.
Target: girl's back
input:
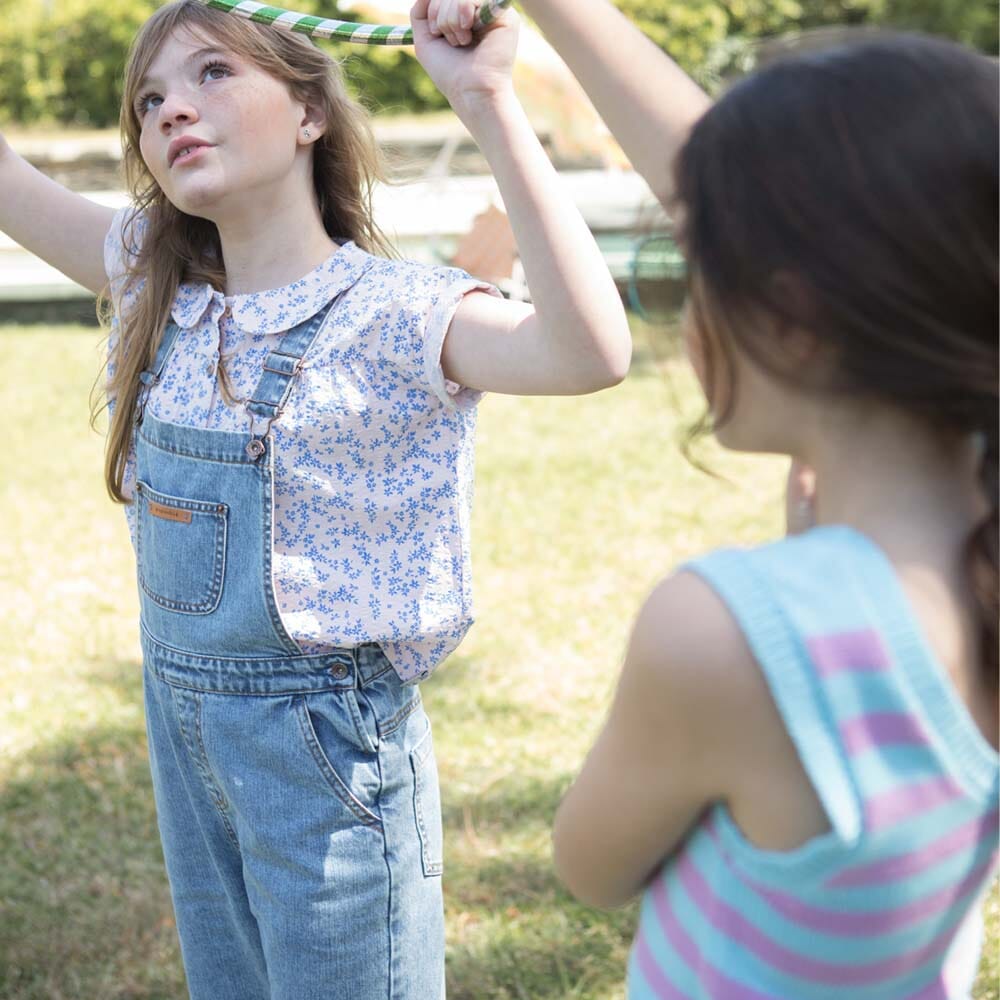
(880, 743)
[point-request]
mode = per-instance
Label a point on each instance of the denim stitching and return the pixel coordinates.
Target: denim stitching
(336, 783)
(214, 596)
(391, 725)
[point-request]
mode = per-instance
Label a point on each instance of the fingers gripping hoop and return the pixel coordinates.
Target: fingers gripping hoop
(346, 31)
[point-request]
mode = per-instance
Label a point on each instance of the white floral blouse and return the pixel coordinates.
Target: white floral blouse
(373, 452)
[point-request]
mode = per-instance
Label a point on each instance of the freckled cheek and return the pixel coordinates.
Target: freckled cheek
(263, 127)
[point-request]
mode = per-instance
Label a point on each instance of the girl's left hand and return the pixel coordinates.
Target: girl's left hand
(466, 66)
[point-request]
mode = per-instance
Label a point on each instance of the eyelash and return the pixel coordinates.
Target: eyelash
(141, 102)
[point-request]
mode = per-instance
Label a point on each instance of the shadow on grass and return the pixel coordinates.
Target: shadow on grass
(514, 932)
(84, 904)
(85, 908)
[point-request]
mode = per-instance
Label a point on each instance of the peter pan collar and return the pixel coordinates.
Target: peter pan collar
(276, 309)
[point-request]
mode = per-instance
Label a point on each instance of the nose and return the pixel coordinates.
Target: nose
(176, 111)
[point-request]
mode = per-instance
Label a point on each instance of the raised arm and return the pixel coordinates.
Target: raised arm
(63, 228)
(644, 97)
(574, 338)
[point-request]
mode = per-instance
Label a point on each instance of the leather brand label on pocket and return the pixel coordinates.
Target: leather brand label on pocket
(169, 513)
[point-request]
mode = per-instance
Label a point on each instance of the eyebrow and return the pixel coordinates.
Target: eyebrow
(194, 57)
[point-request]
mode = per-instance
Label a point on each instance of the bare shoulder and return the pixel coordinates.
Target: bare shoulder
(687, 638)
(689, 656)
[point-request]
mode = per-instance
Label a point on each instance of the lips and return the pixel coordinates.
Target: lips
(185, 144)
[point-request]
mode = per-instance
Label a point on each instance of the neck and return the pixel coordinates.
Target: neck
(270, 242)
(895, 479)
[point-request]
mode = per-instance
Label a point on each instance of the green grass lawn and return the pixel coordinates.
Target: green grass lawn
(582, 504)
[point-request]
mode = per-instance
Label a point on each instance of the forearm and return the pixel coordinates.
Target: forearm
(577, 306)
(647, 101)
(63, 228)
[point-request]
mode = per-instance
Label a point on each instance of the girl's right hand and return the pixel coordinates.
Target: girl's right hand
(467, 73)
(453, 19)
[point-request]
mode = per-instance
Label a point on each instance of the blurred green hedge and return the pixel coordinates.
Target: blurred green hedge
(61, 60)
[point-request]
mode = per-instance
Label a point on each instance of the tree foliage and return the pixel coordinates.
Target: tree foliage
(61, 60)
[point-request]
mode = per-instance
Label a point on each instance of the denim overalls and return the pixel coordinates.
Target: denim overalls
(297, 795)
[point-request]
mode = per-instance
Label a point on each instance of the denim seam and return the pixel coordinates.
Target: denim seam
(354, 709)
(391, 725)
(191, 453)
(329, 773)
(389, 883)
(199, 756)
(232, 662)
(418, 757)
(267, 506)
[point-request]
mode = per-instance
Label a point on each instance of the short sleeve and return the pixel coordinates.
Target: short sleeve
(122, 242)
(411, 307)
(457, 285)
(121, 245)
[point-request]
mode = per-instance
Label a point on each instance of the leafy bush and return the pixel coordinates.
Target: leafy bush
(62, 60)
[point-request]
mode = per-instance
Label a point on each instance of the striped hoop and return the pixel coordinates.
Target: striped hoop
(346, 31)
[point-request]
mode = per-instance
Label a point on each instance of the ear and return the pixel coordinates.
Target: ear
(791, 331)
(311, 126)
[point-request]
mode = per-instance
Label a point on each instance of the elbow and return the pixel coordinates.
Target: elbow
(585, 881)
(611, 366)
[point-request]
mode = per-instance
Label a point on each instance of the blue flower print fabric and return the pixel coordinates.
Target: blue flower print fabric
(373, 452)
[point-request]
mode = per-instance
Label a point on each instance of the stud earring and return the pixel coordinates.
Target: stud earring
(307, 134)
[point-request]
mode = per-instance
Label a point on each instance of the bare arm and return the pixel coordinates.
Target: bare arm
(644, 97)
(65, 229)
(666, 751)
(575, 337)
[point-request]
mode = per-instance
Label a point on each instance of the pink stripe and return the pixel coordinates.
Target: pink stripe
(902, 802)
(652, 972)
(717, 983)
(858, 924)
(728, 921)
(932, 991)
(904, 865)
(879, 729)
(852, 651)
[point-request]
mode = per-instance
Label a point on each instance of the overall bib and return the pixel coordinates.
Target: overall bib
(296, 795)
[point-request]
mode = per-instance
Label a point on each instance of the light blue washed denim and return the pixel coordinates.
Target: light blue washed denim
(297, 796)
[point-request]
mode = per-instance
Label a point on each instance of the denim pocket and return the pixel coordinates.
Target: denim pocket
(427, 805)
(330, 736)
(180, 550)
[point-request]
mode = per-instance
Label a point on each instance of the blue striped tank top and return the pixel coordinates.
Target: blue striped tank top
(886, 903)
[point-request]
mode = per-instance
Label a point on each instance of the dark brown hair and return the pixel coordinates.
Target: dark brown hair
(853, 192)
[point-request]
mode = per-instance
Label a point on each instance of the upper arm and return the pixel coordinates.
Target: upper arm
(63, 228)
(664, 753)
(496, 345)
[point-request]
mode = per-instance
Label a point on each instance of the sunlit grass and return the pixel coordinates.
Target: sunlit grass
(581, 505)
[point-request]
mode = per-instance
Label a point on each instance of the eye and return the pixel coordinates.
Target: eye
(215, 70)
(144, 103)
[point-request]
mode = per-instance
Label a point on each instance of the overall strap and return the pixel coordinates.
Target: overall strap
(150, 376)
(281, 368)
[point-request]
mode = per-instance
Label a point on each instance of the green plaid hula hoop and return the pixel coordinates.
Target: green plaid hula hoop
(346, 31)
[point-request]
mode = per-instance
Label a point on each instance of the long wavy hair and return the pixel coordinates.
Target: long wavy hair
(176, 247)
(853, 192)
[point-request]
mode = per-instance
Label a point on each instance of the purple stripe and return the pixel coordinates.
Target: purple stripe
(932, 991)
(729, 922)
(848, 651)
(904, 801)
(654, 975)
(879, 729)
(902, 866)
(872, 922)
(717, 983)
